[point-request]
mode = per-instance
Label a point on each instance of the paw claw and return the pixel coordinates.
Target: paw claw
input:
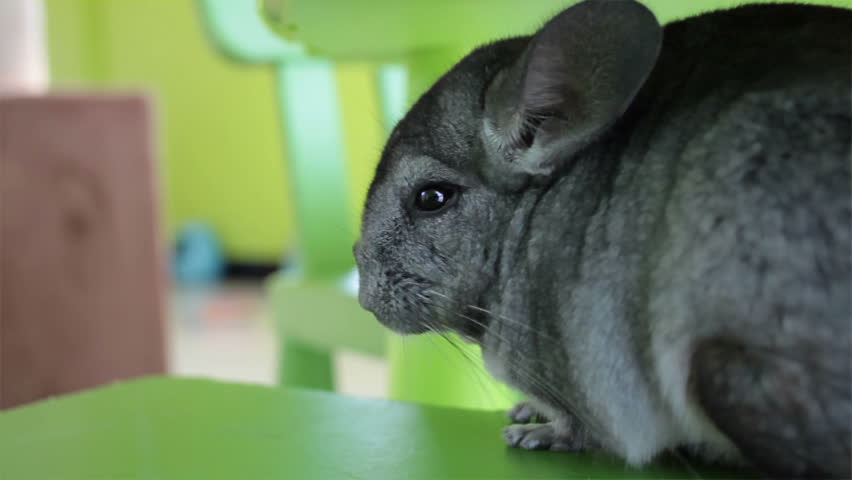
(513, 437)
(532, 444)
(530, 436)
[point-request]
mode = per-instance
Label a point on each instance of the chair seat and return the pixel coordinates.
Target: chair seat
(166, 428)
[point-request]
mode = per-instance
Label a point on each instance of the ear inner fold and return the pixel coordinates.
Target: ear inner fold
(578, 74)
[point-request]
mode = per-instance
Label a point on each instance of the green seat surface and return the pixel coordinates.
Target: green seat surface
(165, 428)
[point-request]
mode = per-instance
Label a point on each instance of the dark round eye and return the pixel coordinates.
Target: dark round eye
(433, 198)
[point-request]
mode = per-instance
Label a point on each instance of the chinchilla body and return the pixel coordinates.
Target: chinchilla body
(646, 229)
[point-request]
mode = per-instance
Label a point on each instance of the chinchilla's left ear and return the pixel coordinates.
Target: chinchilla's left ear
(577, 75)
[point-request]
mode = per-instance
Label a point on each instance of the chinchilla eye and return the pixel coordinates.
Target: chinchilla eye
(433, 197)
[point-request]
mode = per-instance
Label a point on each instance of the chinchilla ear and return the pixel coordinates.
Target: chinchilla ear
(577, 75)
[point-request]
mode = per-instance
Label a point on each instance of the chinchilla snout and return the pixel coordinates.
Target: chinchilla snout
(395, 298)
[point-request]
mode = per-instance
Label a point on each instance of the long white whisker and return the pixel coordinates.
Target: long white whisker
(476, 374)
(479, 372)
(520, 367)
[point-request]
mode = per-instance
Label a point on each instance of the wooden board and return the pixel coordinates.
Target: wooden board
(81, 270)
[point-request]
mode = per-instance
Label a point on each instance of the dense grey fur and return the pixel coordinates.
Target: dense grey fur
(676, 275)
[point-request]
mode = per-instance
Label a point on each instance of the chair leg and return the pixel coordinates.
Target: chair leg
(305, 366)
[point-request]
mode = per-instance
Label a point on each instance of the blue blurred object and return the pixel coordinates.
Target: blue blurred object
(198, 258)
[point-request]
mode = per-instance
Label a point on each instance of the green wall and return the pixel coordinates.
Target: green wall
(222, 158)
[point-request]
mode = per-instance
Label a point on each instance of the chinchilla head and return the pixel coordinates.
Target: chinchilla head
(509, 116)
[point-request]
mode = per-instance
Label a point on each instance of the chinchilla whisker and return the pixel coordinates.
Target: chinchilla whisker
(446, 337)
(437, 293)
(528, 374)
(535, 379)
(489, 328)
(468, 318)
(482, 325)
(476, 374)
(479, 373)
(520, 367)
(505, 319)
(485, 311)
(537, 333)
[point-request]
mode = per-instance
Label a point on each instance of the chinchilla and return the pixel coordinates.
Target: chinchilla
(645, 228)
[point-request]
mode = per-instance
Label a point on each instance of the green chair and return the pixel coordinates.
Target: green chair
(181, 429)
(313, 307)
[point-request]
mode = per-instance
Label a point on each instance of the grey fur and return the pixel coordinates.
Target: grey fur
(676, 273)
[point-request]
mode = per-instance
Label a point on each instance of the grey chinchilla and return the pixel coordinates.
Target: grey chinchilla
(645, 228)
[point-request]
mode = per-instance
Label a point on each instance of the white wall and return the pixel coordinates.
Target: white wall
(23, 57)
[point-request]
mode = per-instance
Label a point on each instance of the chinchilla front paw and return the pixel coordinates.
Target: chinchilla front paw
(547, 436)
(524, 412)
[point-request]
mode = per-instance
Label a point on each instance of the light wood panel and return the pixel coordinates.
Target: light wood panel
(81, 270)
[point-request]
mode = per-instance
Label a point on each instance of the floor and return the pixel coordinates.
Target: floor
(225, 332)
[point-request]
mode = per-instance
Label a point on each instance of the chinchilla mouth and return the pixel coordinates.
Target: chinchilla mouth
(469, 321)
(475, 323)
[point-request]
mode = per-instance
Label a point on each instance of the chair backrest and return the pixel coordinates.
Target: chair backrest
(313, 128)
(238, 30)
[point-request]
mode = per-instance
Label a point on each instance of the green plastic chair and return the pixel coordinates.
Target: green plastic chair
(314, 303)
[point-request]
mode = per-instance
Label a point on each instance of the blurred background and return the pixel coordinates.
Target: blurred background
(223, 185)
(222, 180)
(181, 183)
